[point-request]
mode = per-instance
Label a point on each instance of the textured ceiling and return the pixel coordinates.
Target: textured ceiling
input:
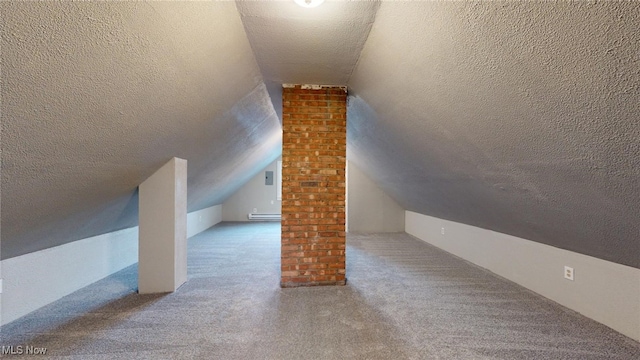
(97, 96)
(519, 117)
(297, 45)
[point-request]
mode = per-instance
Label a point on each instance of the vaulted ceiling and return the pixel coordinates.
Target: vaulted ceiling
(519, 117)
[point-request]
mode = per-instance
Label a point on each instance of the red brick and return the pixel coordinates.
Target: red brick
(314, 158)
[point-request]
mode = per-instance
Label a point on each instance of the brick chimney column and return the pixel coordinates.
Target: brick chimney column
(314, 120)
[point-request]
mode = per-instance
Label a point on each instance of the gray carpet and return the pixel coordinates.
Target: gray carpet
(404, 300)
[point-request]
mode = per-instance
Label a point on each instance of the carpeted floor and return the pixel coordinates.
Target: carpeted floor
(404, 300)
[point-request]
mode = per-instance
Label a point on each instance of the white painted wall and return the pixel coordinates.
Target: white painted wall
(34, 280)
(604, 291)
(1, 290)
(369, 208)
(201, 220)
(254, 194)
(1, 279)
(162, 242)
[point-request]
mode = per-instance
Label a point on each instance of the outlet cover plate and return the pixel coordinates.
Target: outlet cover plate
(568, 273)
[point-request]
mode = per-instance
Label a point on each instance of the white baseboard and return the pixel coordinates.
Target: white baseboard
(34, 280)
(602, 290)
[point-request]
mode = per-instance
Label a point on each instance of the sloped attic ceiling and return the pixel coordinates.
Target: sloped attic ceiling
(519, 117)
(296, 45)
(97, 96)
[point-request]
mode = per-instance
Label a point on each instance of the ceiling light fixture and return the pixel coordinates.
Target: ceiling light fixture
(309, 3)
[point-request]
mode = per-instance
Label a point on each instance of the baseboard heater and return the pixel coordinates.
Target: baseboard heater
(265, 217)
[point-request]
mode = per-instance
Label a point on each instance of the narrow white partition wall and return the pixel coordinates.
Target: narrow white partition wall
(36, 279)
(162, 254)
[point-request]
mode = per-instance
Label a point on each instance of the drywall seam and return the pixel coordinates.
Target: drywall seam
(602, 290)
(34, 280)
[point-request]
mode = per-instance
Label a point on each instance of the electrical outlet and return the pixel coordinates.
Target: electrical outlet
(255, 210)
(442, 231)
(568, 273)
